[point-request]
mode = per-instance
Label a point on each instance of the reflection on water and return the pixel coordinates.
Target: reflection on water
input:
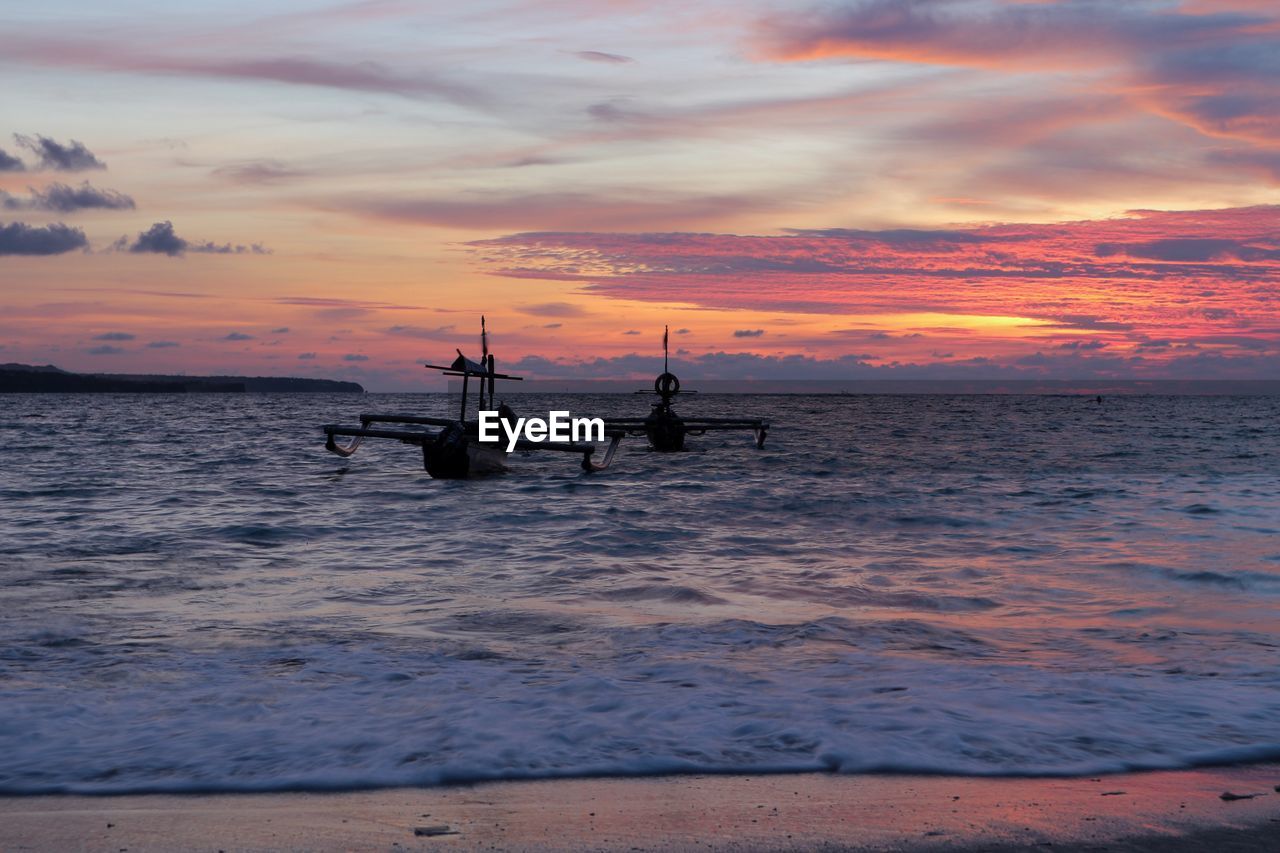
(194, 595)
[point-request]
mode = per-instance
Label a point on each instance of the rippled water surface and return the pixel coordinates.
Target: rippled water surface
(194, 595)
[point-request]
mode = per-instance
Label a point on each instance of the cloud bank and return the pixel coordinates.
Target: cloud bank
(1211, 277)
(61, 198)
(18, 238)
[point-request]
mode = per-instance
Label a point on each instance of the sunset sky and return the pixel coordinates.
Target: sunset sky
(916, 189)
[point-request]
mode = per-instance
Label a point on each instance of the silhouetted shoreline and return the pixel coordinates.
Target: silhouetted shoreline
(47, 379)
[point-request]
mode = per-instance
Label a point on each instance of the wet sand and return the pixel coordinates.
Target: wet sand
(1165, 811)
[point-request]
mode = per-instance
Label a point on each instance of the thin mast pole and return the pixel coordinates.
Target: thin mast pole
(486, 363)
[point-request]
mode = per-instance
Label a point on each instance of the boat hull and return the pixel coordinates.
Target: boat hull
(485, 459)
(665, 431)
(455, 454)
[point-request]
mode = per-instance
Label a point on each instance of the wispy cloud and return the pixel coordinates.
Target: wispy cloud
(337, 302)
(364, 76)
(61, 198)
(266, 171)
(331, 73)
(601, 56)
(552, 309)
(51, 154)
(439, 333)
(1216, 71)
(617, 210)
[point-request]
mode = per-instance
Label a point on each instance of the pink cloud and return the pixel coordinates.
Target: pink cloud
(1181, 276)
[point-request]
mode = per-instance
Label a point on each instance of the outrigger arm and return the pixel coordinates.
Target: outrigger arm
(422, 438)
(697, 426)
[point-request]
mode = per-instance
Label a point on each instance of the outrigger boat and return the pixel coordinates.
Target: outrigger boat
(452, 449)
(665, 429)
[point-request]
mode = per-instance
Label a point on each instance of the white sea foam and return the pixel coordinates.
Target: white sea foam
(962, 585)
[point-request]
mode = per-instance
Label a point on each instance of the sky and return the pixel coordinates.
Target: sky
(851, 189)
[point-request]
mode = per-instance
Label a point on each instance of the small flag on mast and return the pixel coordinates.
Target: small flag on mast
(484, 340)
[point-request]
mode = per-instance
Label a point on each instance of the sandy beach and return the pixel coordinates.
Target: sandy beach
(1165, 811)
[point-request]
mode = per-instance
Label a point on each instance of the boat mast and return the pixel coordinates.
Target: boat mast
(466, 375)
(486, 361)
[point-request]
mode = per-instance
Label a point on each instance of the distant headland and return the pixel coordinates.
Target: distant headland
(47, 379)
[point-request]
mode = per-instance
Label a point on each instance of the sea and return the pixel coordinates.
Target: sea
(196, 596)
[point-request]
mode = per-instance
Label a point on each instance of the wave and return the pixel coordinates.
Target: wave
(897, 584)
(734, 696)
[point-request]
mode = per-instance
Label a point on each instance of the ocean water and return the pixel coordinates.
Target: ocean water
(195, 596)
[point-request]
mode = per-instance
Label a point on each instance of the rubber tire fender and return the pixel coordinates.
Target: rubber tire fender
(666, 384)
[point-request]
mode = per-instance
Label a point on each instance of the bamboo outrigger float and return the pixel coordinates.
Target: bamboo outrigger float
(453, 449)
